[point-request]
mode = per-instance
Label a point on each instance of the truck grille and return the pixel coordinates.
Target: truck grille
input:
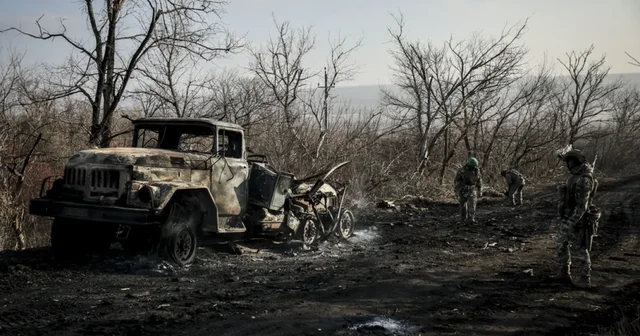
(100, 181)
(104, 179)
(75, 176)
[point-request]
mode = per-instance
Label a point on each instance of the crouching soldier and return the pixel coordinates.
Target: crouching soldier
(579, 219)
(468, 186)
(515, 184)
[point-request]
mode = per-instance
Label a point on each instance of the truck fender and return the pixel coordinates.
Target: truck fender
(199, 196)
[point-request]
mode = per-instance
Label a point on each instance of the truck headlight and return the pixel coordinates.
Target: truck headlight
(142, 195)
(145, 194)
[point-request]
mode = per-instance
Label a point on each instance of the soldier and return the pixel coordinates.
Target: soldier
(515, 184)
(468, 187)
(579, 219)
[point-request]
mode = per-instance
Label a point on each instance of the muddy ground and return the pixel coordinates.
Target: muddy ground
(412, 270)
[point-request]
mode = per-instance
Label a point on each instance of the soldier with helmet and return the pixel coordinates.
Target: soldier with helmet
(468, 187)
(579, 219)
(515, 184)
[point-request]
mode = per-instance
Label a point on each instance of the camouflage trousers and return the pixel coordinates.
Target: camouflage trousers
(571, 246)
(515, 192)
(468, 198)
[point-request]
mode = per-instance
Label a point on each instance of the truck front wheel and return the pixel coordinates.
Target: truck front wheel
(179, 236)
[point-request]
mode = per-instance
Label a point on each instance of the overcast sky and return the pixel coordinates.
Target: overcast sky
(555, 26)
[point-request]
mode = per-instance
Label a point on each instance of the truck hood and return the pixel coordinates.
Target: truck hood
(150, 157)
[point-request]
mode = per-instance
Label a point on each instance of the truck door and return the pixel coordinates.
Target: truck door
(229, 179)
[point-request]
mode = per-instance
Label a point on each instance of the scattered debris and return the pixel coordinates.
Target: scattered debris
(385, 204)
(386, 324)
(487, 245)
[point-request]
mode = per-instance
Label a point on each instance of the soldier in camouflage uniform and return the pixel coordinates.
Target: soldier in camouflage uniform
(515, 184)
(468, 187)
(579, 219)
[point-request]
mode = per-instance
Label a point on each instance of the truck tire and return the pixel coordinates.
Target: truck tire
(179, 234)
(309, 231)
(347, 224)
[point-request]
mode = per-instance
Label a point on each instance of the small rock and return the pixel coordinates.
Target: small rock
(234, 249)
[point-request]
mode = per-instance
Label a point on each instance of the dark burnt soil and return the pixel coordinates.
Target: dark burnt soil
(413, 270)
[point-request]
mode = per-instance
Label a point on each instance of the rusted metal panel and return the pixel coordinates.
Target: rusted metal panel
(141, 157)
(153, 174)
(229, 185)
(326, 189)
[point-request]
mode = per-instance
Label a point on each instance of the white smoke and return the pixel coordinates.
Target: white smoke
(562, 151)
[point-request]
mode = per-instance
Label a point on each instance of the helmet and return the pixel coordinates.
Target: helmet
(472, 162)
(574, 155)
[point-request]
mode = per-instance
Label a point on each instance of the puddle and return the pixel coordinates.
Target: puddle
(391, 326)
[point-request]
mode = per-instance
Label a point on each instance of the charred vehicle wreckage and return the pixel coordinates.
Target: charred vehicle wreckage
(180, 180)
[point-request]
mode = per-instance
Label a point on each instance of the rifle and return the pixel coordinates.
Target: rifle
(592, 215)
(594, 188)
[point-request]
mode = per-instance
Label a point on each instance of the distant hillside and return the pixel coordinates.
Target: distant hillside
(369, 95)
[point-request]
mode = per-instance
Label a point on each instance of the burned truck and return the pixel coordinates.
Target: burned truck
(182, 179)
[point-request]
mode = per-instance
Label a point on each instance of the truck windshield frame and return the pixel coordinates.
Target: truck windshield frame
(172, 137)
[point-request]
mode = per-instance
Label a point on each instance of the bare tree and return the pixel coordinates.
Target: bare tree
(102, 69)
(526, 98)
(280, 66)
(338, 70)
(11, 79)
(437, 84)
(620, 142)
(233, 98)
(634, 61)
(582, 99)
(169, 76)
